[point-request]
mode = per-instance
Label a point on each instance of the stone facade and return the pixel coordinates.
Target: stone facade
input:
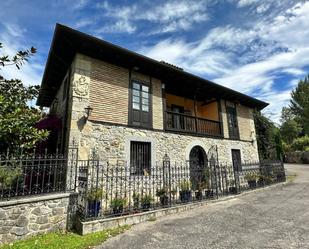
(112, 142)
(34, 215)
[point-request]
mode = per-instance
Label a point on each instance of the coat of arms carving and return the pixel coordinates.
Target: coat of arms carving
(81, 87)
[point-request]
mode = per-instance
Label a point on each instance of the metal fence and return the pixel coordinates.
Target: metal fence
(107, 190)
(26, 174)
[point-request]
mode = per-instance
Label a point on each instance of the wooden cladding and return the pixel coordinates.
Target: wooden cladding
(109, 92)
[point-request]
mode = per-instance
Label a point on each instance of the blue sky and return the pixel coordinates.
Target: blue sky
(260, 48)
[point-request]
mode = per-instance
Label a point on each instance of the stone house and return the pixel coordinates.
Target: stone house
(126, 106)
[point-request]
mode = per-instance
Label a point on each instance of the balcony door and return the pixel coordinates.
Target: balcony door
(232, 122)
(140, 109)
(178, 122)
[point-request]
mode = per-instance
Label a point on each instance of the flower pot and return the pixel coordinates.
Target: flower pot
(185, 196)
(94, 208)
(280, 178)
(164, 200)
(252, 184)
(209, 194)
(233, 190)
(146, 206)
(198, 195)
(136, 204)
(118, 210)
(261, 183)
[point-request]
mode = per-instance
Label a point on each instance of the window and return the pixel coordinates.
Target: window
(140, 104)
(140, 158)
(232, 122)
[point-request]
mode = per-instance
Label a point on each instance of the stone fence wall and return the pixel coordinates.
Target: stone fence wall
(30, 216)
(297, 157)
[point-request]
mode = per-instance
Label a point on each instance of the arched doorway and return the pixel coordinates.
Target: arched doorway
(198, 164)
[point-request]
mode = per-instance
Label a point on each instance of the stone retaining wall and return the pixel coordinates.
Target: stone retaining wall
(29, 216)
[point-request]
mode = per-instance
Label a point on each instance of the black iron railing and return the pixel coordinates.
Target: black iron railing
(191, 124)
(106, 190)
(29, 174)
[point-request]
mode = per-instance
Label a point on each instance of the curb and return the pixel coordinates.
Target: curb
(86, 227)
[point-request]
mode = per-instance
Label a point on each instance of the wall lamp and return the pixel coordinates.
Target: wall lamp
(88, 111)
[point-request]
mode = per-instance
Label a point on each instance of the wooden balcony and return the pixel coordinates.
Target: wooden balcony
(190, 124)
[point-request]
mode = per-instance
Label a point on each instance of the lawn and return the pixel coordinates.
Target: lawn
(65, 240)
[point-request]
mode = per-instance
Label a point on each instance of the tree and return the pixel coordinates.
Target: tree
(286, 114)
(299, 104)
(290, 130)
(263, 127)
(17, 118)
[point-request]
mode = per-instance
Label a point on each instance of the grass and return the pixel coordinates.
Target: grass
(290, 178)
(152, 219)
(65, 240)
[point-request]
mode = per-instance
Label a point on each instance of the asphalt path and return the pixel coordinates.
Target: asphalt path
(276, 217)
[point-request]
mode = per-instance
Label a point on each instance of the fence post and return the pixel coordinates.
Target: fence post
(167, 176)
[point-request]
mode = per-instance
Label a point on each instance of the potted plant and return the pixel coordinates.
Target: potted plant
(232, 187)
(136, 200)
(251, 179)
(199, 191)
(94, 198)
(146, 201)
(162, 194)
(280, 177)
(174, 193)
(209, 193)
(117, 205)
(185, 191)
(264, 180)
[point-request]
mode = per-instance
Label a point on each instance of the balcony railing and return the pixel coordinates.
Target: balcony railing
(186, 123)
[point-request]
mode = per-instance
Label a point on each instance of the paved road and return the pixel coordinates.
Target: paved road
(273, 218)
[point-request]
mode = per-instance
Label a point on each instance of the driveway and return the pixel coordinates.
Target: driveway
(277, 217)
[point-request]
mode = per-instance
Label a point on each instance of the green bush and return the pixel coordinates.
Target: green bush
(146, 199)
(8, 176)
(118, 202)
(95, 194)
(185, 185)
(301, 143)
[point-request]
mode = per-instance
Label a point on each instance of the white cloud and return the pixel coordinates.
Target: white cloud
(195, 57)
(13, 29)
(290, 29)
(244, 3)
(83, 23)
(118, 27)
(294, 71)
(273, 111)
(268, 49)
(78, 4)
(172, 15)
